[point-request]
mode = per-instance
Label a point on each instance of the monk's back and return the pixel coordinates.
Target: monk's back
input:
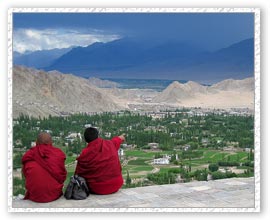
(42, 187)
(99, 164)
(45, 173)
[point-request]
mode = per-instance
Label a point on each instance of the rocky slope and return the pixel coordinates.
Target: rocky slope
(225, 94)
(37, 93)
(103, 83)
(244, 85)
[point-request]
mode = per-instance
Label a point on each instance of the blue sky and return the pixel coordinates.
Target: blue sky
(211, 31)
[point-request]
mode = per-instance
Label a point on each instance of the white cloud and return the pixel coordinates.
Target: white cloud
(34, 39)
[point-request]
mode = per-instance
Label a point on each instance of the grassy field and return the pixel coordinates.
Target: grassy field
(70, 159)
(139, 162)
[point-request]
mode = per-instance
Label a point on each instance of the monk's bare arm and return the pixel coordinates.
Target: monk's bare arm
(122, 137)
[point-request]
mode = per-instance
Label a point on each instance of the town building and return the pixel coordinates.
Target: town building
(120, 152)
(153, 146)
(161, 161)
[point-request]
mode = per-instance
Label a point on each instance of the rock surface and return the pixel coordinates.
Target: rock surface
(225, 193)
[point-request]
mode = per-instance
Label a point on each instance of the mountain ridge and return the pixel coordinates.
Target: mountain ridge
(128, 58)
(224, 94)
(39, 58)
(38, 93)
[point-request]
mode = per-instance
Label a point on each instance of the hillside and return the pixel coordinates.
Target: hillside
(37, 93)
(102, 83)
(244, 85)
(225, 94)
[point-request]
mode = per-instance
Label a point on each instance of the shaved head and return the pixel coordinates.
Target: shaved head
(44, 138)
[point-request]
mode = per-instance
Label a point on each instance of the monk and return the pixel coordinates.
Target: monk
(44, 170)
(99, 163)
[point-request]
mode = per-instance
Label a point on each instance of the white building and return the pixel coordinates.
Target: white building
(87, 125)
(161, 161)
(108, 134)
(127, 145)
(186, 147)
(247, 149)
(184, 120)
(74, 135)
(120, 152)
(153, 145)
(205, 141)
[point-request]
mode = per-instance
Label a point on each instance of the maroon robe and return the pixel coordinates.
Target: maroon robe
(45, 173)
(99, 164)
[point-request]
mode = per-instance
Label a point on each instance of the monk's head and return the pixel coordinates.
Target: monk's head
(44, 138)
(90, 134)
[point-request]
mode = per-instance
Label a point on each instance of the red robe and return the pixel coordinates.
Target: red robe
(99, 164)
(45, 172)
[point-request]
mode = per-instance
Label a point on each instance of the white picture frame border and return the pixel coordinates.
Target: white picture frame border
(257, 101)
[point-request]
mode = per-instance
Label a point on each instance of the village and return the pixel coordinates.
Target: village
(160, 146)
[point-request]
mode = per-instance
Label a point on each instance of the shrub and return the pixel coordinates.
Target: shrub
(70, 153)
(228, 163)
(162, 178)
(18, 186)
(175, 162)
(219, 175)
(213, 167)
(248, 164)
(200, 175)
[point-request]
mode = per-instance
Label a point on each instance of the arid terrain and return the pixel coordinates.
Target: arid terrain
(38, 93)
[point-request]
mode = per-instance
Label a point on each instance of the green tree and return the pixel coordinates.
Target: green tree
(213, 167)
(128, 179)
(17, 160)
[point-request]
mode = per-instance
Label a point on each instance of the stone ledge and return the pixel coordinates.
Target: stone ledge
(225, 193)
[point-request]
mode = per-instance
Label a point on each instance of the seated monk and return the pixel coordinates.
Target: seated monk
(99, 163)
(44, 170)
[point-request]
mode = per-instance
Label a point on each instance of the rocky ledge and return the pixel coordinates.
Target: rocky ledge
(226, 193)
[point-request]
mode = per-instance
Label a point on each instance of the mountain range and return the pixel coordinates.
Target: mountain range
(38, 93)
(132, 58)
(40, 58)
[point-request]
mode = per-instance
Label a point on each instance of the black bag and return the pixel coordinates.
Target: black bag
(77, 188)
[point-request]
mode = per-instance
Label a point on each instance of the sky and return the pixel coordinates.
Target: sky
(210, 31)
